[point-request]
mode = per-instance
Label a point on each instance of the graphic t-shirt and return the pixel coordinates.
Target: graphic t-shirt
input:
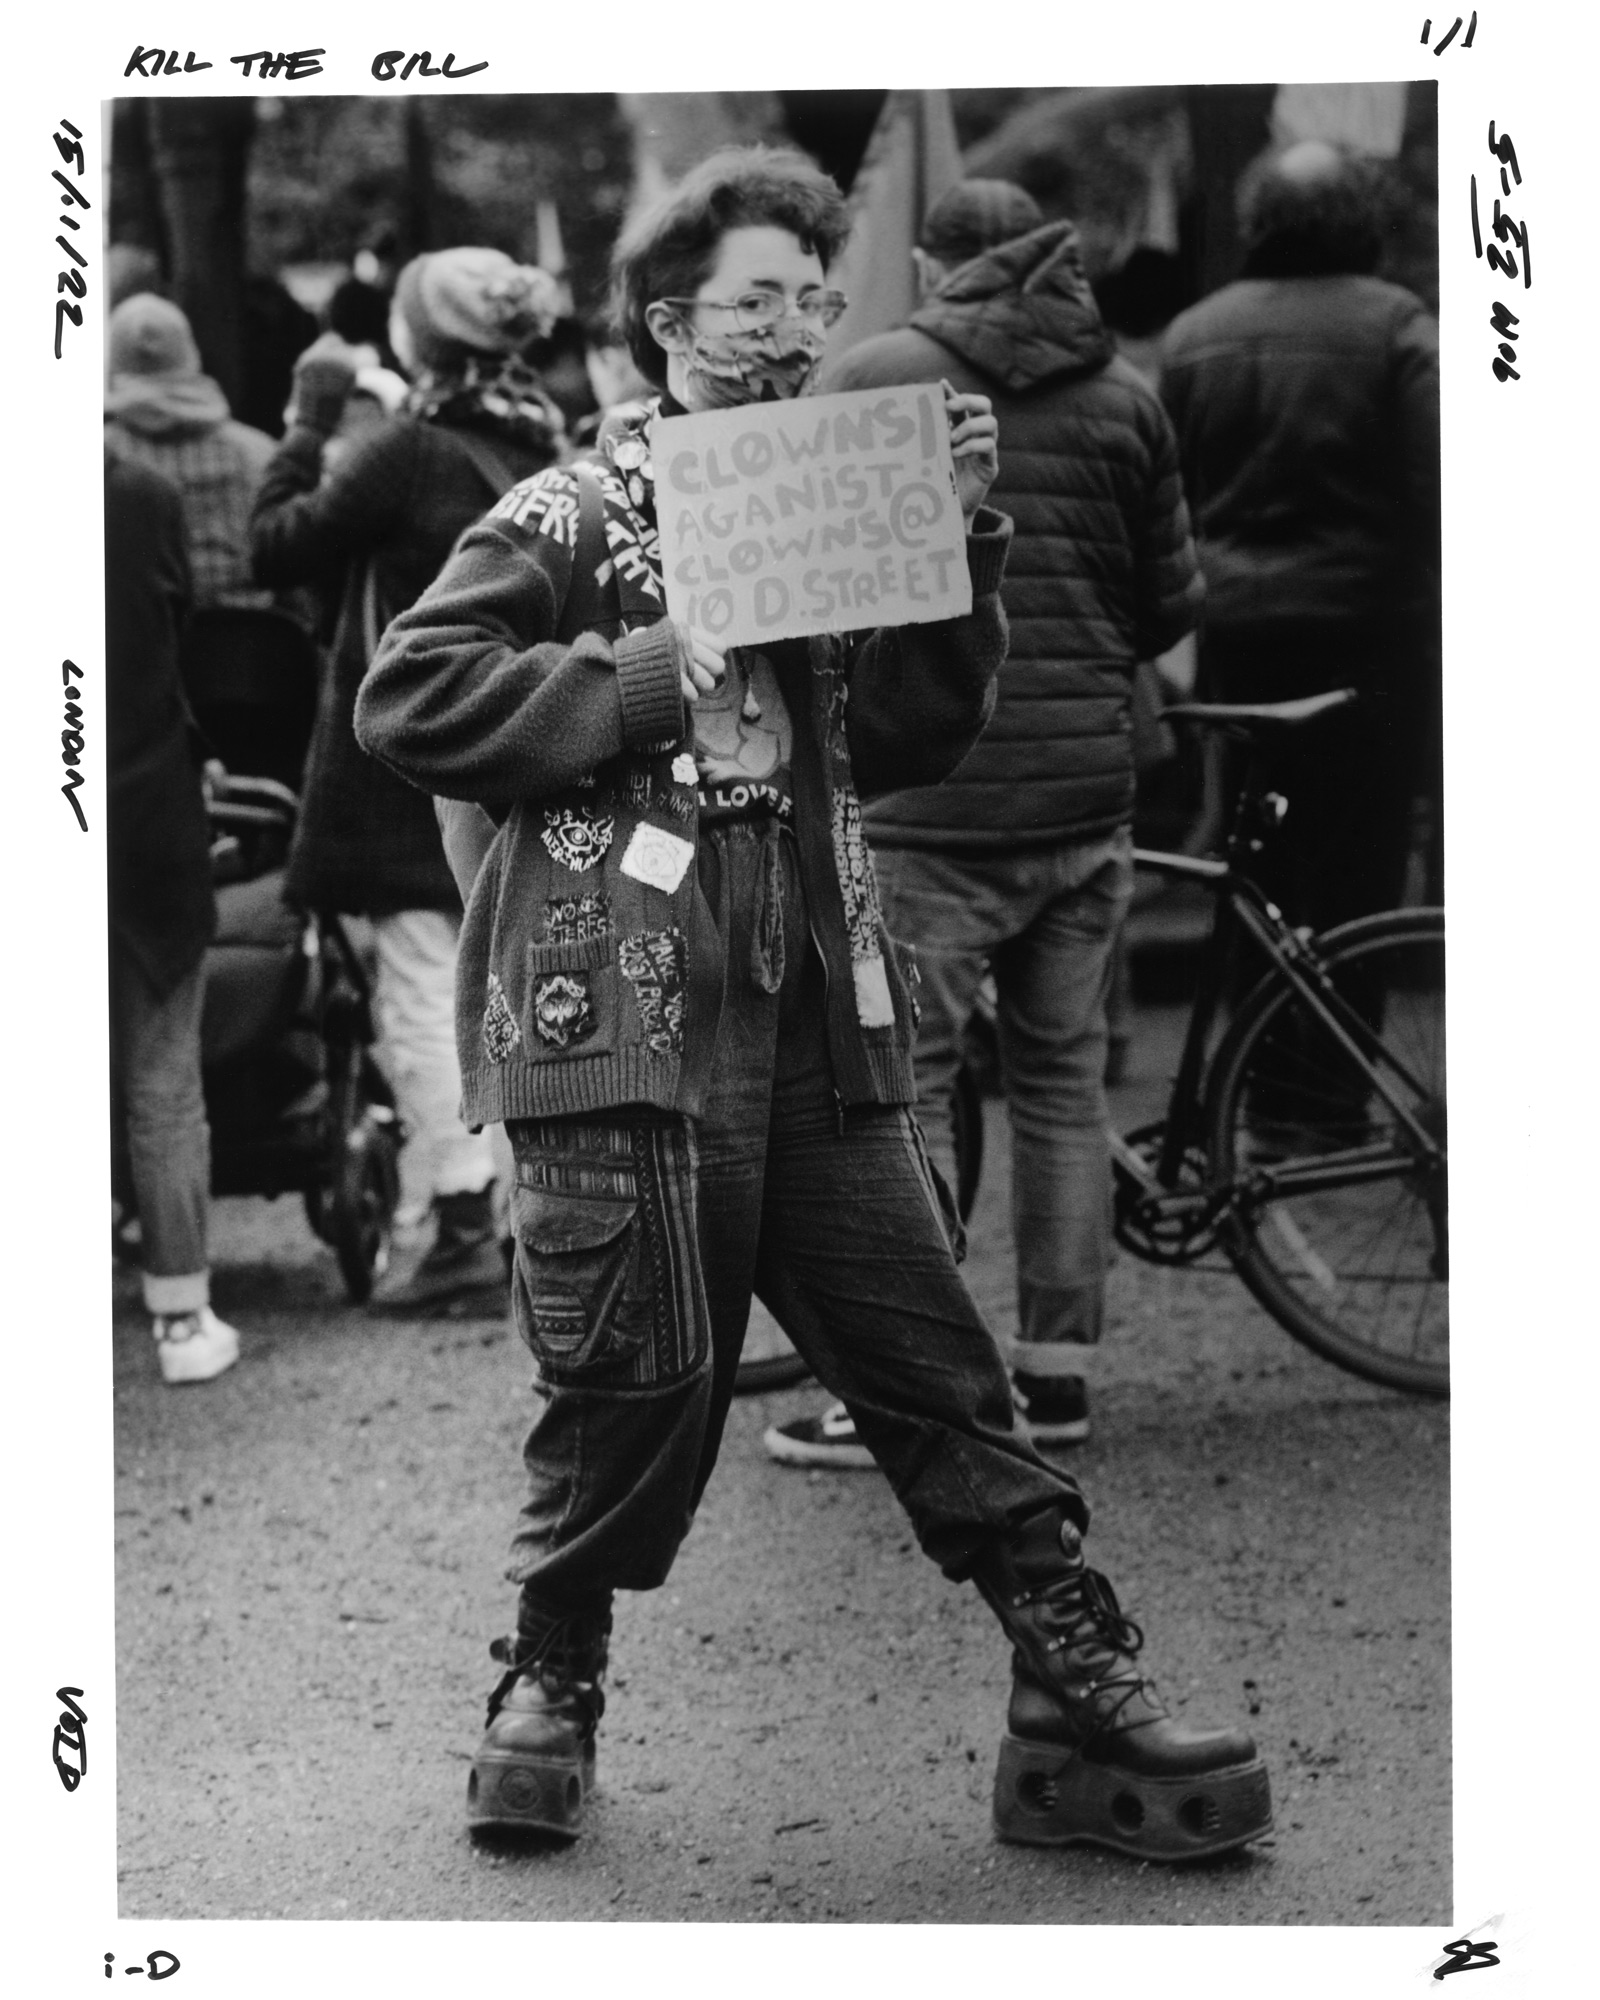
(744, 741)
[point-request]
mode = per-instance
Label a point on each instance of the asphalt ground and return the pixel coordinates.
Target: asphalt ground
(802, 1724)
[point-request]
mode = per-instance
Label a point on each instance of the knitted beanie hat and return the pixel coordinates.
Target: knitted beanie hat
(975, 216)
(479, 299)
(147, 335)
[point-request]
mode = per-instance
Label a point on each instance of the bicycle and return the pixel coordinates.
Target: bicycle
(1307, 1140)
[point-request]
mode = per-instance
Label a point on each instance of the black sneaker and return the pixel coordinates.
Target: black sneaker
(465, 1270)
(1055, 1408)
(829, 1441)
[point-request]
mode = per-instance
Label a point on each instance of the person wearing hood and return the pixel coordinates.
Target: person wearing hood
(1021, 862)
(372, 528)
(162, 412)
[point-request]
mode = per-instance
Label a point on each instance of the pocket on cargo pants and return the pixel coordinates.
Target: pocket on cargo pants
(606, 1287)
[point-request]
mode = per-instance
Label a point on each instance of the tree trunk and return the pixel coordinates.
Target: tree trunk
(1228, 126)
(200, 149)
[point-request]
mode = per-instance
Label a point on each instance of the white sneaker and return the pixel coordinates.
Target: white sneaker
(194, 1346)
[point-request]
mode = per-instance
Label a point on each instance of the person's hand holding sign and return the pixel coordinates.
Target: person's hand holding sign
(974, 445)
(706, 665)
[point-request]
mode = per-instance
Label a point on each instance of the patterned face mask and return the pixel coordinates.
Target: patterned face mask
(725, 370)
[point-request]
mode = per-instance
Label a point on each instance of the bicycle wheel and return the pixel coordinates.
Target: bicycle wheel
(1340, 1223)
(766, 1361)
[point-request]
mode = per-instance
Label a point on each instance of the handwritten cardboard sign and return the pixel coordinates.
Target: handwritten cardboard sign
(827, 514)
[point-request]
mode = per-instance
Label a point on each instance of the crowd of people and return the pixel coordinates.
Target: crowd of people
(657, 1053)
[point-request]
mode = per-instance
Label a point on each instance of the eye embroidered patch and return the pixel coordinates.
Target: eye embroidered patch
(501, 1035)
(654, 962)
(562, 1010)
(577, 836)
(657, 858)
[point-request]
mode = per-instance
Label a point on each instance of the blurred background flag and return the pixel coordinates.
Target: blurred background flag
(911, 159)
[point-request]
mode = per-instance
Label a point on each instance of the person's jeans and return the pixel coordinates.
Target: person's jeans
(1045, 922)
(155, 1057)
(641, 1236)
(416, 1009)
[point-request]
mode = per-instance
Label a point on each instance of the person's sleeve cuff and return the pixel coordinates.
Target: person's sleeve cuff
(988, 539)
(307, 438)
(650, 680)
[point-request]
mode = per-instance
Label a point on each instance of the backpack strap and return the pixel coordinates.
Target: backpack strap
(580, 612)
(490, 467)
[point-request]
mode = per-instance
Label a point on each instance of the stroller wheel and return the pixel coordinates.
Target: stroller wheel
(319, 1211)
(360, 1205)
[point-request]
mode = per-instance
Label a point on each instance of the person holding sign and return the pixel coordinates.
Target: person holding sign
(677, 991)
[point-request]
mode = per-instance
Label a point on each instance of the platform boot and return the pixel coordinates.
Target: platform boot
(1090, 1754)
(534, 1769)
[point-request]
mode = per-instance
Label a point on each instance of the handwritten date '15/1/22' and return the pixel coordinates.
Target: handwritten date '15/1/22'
(71, 285)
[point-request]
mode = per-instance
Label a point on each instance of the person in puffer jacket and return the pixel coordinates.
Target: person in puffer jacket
(676, 989)
(1021, 862)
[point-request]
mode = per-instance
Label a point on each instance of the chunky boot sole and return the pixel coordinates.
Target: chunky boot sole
(1048, 1796)
(508, 1793)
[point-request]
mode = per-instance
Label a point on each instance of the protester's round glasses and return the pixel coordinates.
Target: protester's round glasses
(759, 311)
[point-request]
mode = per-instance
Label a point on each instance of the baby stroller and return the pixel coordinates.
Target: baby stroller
(295, 1099)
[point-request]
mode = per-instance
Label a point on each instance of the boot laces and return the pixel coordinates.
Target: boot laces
(1081, 1614)
(569, 1657)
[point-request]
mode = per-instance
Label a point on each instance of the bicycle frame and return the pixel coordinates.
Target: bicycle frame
(1243, 909)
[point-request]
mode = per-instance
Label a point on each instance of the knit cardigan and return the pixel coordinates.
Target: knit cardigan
(592, 967)
(1102, 571)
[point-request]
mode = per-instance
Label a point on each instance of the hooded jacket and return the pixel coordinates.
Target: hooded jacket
(179, 425)
(1101, 572)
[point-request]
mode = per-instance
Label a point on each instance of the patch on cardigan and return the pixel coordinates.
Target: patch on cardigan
(859, 888)
(577, 919)
(641, 794)
(577, 836)
(501, 1035)
(684, 771)
(655, 963)
(562, 1010)
(657, 858)
(874, 1004)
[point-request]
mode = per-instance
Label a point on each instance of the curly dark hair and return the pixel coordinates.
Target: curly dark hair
(1312, 224)
(670, 250)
